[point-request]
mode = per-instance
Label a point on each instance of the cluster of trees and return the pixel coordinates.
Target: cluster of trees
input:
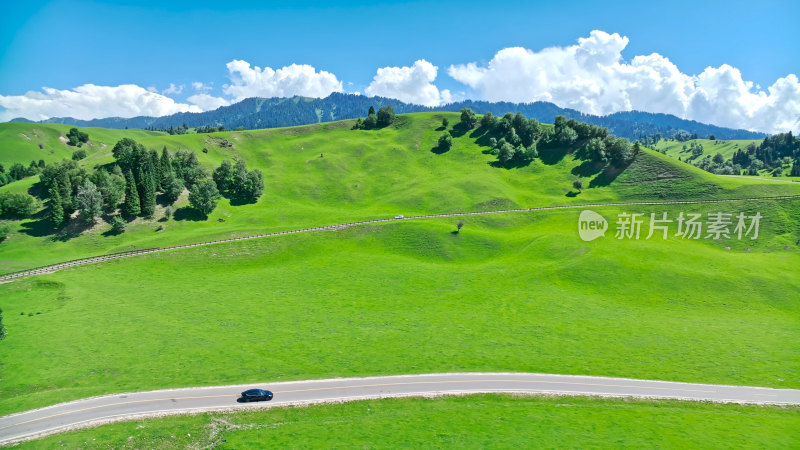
(134, 182)
(384, 117)
(184, 129)
(514, 138)
(69, 187)
(718, 165)
(147, 173)
(517, 139)
(695, 148)
(76, 138)
(18, 171)
(773, 154)
(237, 183)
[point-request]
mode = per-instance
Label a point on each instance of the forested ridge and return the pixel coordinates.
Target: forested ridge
(255, 113)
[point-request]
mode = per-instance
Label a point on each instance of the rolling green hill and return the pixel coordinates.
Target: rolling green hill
(326, 174)
(726, 148)
(509, 292)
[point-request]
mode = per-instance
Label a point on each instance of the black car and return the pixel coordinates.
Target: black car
(255, 395)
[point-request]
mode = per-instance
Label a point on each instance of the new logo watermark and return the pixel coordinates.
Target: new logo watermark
(717, 225)
(591, 225)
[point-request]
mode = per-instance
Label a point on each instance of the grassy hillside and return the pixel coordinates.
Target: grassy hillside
(326, 174)
(19, 142)
(475, 421)
(512, 292)
(517, 292)
(727, 148)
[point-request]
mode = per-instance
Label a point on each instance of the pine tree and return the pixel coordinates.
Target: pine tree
(131, 205)
(65, 189)
(149, 198)
(56, 208)
(165, 166)
(155, 168)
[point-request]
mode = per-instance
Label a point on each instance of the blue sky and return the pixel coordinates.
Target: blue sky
(66, 44)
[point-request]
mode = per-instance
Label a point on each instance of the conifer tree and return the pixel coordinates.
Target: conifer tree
(149, 198)
(131, 205)
(56, 208)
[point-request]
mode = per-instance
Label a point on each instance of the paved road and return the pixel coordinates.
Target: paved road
(97, 410)
(9, 277)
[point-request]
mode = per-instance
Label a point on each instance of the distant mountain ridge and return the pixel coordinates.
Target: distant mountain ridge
(254, 113)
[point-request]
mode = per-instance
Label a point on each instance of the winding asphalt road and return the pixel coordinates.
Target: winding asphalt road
(97, 410)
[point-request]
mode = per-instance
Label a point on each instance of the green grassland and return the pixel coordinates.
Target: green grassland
(710, 147)
(474, 421)
(326, 174)
(509, 292)
(19, 142)
(513, 292)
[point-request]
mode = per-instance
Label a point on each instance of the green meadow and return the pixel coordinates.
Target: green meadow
(327, 174)
(474, 421)
(508, 292)
(710, 147)
(512, 292)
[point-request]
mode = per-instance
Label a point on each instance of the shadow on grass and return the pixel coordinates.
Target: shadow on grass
(572, 194)
(513, 164)
(606, 177)
(459, 130)
(439, 149)
(37, 227)
(188, 213)
(552, 156)
(74, 229)
(587, 169)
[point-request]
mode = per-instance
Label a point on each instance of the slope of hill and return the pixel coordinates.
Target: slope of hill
(510, 292)
(327, 173)
(253, 113)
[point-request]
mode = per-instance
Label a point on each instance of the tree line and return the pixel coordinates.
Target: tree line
(515, 139)
(383, 118)
(134, 183)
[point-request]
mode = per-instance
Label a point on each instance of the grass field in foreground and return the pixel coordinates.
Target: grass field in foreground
(326, 174)
(515, 292)
(474, 421)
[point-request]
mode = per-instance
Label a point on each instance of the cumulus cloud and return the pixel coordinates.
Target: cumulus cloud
(409, 84)
(90, 102)
(295, 79)
(172, 89)
(593, 77)
(207, 102)
(199, 86)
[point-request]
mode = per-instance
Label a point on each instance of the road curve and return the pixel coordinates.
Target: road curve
(97, 410)
(13, 276)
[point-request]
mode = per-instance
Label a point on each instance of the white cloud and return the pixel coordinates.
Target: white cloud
(90, 102)
(409, 84)
(287, 81)
(592, 77)
(199, 86)
(172, 89)
(207, 102)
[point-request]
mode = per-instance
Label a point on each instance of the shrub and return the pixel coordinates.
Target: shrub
(78, 155)
(17, 204)
(118, 224)
(445, 141)
(385, 116)
(2, 327)
(5, 230)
